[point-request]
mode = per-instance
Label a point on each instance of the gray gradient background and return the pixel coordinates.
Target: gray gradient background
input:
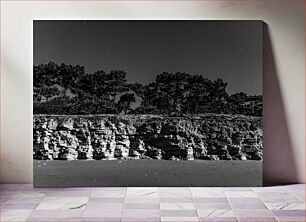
(231, 50)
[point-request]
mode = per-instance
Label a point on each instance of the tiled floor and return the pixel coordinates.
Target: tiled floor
(21, 202)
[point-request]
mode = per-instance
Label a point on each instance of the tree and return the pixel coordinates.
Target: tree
(44, 75)
(98, 92)
(126, 100)
(218, 96)
(196, 93)
(138, 88)
(50, 92)
(166, 93)
(68, 75)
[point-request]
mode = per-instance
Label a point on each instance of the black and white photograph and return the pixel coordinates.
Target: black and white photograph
(147, 103)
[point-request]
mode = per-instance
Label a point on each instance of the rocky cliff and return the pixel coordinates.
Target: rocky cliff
(208, 137)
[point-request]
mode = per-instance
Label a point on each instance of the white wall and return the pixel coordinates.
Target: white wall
(284, 116)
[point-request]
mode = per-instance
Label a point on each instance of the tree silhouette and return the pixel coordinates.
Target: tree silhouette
(97, 93)
(67, 75)
(44, 75)
(126, 100)
(49, 92)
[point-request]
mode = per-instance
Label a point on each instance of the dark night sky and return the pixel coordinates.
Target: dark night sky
(231, 50)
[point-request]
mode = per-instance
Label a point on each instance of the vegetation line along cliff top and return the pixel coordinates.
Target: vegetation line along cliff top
(69, 90)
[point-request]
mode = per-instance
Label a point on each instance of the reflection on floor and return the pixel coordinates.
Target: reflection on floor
(22, 202)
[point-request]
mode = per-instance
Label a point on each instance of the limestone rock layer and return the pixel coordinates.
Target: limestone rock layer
(207, 137)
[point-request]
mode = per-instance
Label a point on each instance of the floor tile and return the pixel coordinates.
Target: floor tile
(109, 189)
(176, 200)
(210, 200)
(142, 200)
(285, 206)
(300, 195)
(62, 203)
(216, 213)
(141, 206)
(179, 213)
(275, 194)
(274, 189)
(278, 197)
(291, 219)
(175, 189)
(68, 194)
(207, 192)
(109, 193)
(7, 193)
(27, 186)
(177, 206)
(91, 205)
(255, 213)
(57, 213)
(22, 202)
(142, 213)
(240, 194)
(102, 219)
(237, 189)
(14, 214)
(245, 200)
(19, 206)
(213, 205)
(3, 200)
(105, 200)
(218, 219)
(179, 219)
(281, 200)
(247, 205)
(26, 194)
(296, 187)
(30, 200)
(175, 193)
(147, 192)
(103, 212)
(10, 186)
(256, 219)
(54, 219)
(289, 213)
(140, 219)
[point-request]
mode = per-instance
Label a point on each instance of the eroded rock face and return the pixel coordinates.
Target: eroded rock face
(208, 137)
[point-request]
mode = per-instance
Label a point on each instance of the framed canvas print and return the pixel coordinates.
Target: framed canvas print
(147, 103)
